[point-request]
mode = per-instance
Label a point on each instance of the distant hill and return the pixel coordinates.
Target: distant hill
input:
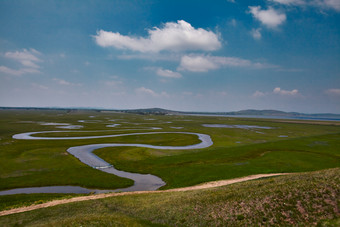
(160, 111)
(277, 113)
(281, 113)
(250, 112)
(263, 112)
(155, 111)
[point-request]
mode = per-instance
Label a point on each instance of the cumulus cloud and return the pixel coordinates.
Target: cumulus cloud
(39, 86)
(168, 73)
(113, 83)
(270, 17)
(256, 33)
(280, 91)
(10, 71)
(149, 92)
(172, 36)
(64, 82)
(143, 90)
(17, 72)
(323, 4)
(333, 91)
(187, 93)
(27, 58)
(203, 63)
(199, 63)
(233, 22)
(277, 91)
(332, 4)
(258, 94)
(152, 56)
(289, 2)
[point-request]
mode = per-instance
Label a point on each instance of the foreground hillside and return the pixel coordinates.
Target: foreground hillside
(298, 199)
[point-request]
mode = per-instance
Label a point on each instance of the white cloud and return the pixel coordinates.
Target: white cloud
(270, 17)
(64, 82)
(202, 63)
(164, 94)
(149, 92)
(61, 82)
(7, 70)
(323, 4)
(332, 4)
(143, 90)
(198, 63)
(258, 94)
(277, 91)
(333, 91)
(151, 56)
(233, 22)
(178, 36)
(280, 91)
(187, 93)
(18, 72)
(256, 33)
(168, 73)
(27, 58)
(289, 2)
(42, 87)
(113, 83)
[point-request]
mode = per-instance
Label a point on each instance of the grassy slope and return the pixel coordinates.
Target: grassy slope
(303, 199)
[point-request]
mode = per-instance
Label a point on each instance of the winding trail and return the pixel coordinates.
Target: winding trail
(207, 185)
(142, 182)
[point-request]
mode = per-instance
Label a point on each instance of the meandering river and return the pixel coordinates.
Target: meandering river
(142, 182)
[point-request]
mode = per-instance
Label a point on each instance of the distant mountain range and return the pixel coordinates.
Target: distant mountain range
(160, 111)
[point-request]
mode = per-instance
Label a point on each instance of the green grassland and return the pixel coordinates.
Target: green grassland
(305, 199)
(235, 152)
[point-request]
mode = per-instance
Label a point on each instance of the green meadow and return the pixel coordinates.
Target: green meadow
(288, 146)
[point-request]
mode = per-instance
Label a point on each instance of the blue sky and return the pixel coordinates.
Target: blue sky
(220, 55)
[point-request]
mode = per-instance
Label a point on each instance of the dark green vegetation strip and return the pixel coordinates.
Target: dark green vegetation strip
(305, 199)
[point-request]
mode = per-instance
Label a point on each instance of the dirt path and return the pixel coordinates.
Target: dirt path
(211, 184)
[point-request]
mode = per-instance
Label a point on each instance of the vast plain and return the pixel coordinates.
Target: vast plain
(241, 147)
